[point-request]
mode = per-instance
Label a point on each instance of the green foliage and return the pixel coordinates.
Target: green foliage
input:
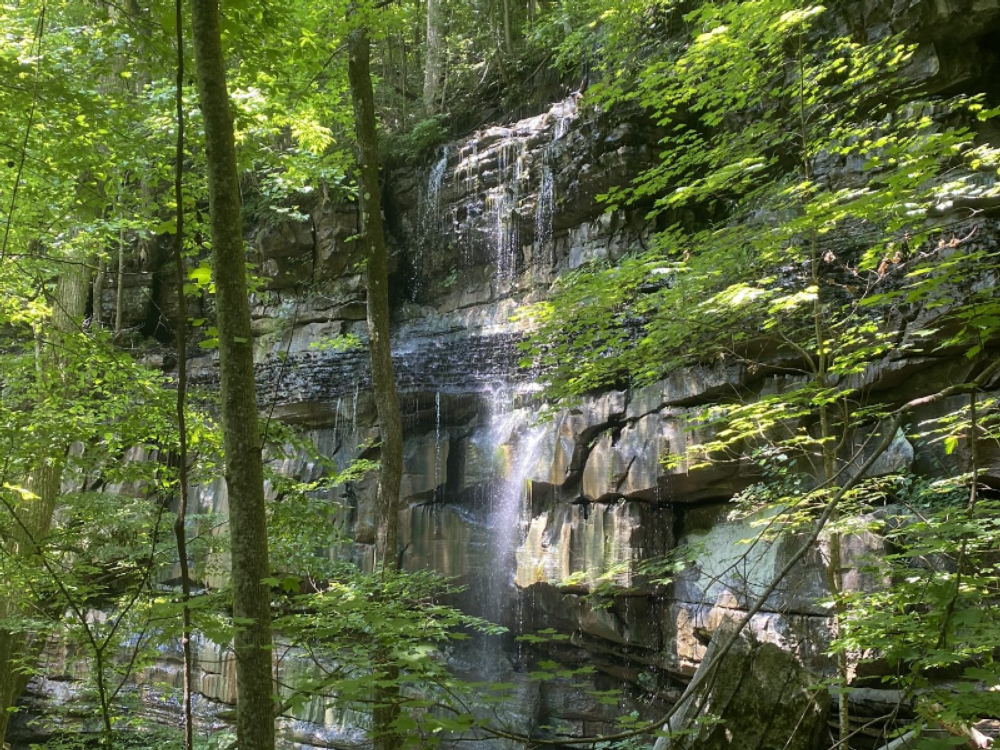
(934, 616)
(342, 343)
(610, 38)
(805, 190)
(766, 118)
(144, 737)
(305, 518)
(361, 630)
(416, 144)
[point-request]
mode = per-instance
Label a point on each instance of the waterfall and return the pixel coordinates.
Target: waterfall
(512, 437)
(471, 188)
(437, 440)
(502, 204)
(516, 444)
(430, 208)
(545, 203)
(544, 210)
(429, 215)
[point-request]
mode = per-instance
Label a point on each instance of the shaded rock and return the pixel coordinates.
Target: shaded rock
(933, 452)
(628, 462)
(688, 628)
(137, 298)
(629, 621)
(732, 567)
(286, 253)
(564, 448)
(425, 465)
(333, 226)
(685, 386)
(759, 693)
(443, 540)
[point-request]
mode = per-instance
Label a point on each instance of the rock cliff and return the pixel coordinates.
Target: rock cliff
(547, 521)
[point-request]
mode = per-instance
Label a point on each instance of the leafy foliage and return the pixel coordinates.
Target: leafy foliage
(807, 194)
(361, 630)
(813, 178)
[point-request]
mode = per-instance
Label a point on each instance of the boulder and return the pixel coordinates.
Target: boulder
(757, 697)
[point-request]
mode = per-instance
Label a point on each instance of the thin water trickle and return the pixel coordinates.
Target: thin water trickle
(471, 187)
(544, 210)
(337, 428)
(565, 112)
(545, 203)
(430, 215)
(562, 127)
(432, 205)
(354, 414)
(437, 440)
(502, 204)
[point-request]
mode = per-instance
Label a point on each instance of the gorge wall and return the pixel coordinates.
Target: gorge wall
(546, 521)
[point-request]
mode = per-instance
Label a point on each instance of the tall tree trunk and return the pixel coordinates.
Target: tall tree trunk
(34, 518)
(180, 523)
(508, 30)
(373, 239)
(383, 378)
(435, 55)
(403, 85)
(120, 289)
(98, 293)
(241, 432)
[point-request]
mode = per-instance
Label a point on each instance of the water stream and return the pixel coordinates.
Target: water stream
(517, 449)
(430, 216)
(510, 434)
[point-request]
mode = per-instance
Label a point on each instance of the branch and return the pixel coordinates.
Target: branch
(39, 33)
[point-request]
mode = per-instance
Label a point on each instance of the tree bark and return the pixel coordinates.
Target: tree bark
(434, 56)
(180, 523)
(386, 708)
(241, 432)
(373, 239)
(35, 517)
(508, 30)
(98, 293)
(120, 288)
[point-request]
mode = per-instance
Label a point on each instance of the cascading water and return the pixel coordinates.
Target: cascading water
(514, 442)
(430, 214)
(544, 209)
(507, 180)
(502, 203)
(545, 202)
(437, 440)
(515, 446)
(471, 160)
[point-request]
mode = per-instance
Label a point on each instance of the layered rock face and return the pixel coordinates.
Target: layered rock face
(548, 521)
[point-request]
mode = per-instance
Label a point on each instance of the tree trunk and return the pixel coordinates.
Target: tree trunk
(241, 432)
(180, 523)
(99, 279)
(120, 289)
(35, 517)
(435, 56)
(373, 239)
(383, 378)
(508, 30)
